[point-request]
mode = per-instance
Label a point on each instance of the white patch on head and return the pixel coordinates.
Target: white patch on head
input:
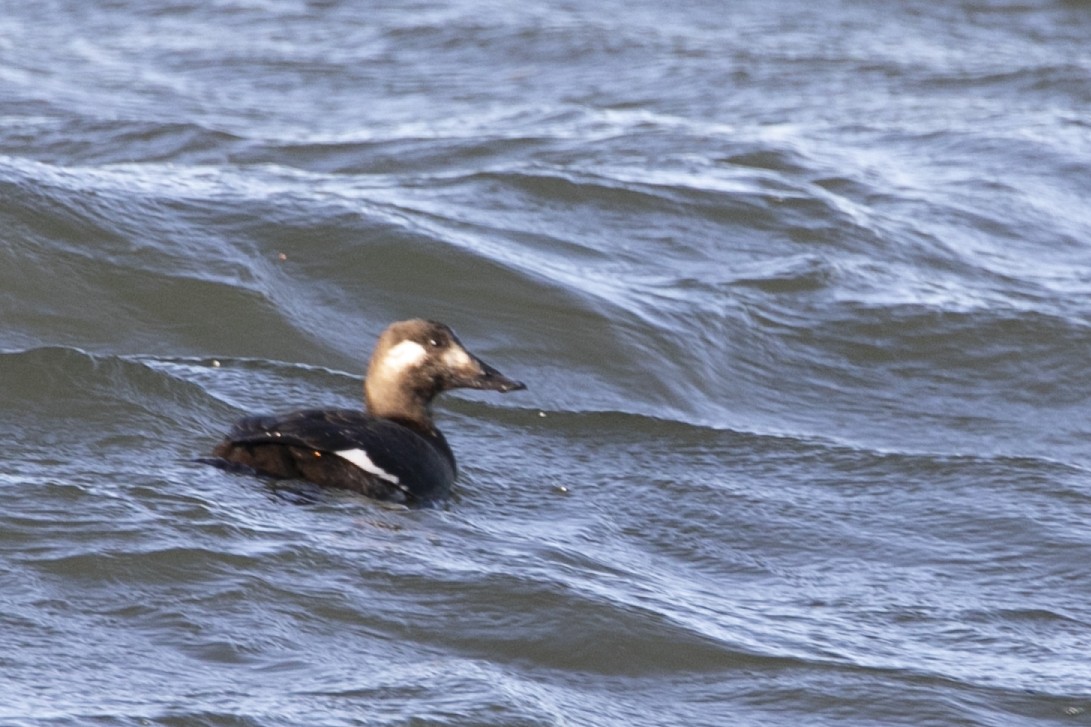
(359, 458)
(456, 359)
(404, 355)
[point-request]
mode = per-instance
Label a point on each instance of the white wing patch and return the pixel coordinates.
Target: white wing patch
(359, 458)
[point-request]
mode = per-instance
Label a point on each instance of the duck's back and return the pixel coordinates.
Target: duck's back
(344, 448)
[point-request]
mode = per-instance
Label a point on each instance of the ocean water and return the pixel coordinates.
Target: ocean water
(801, 293)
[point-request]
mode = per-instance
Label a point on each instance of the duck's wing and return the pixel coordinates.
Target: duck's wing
(342, 448)
(327, 430)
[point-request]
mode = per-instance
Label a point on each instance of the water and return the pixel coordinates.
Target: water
(801, 293)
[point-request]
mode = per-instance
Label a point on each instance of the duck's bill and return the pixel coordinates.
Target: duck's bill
(489, 379)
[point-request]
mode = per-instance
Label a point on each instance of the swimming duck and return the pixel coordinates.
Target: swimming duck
(392, 452)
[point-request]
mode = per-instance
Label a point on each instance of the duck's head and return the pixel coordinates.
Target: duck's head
(416, 360)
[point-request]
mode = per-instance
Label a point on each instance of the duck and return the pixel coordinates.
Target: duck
(391, 452)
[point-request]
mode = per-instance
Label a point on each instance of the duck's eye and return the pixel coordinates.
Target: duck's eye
(434, 343)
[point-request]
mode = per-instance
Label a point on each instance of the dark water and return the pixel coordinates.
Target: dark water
(801, 292)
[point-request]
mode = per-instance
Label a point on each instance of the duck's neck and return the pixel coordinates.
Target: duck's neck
(387, 399)
(400, 405)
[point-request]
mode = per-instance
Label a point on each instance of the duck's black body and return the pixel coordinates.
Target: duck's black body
(394, 452)
(328, 446)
